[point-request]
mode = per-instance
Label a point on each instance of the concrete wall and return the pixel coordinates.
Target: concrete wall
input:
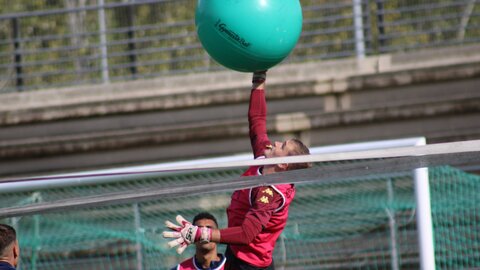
(434, 93)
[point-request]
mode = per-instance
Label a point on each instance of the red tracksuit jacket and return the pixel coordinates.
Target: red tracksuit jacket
(267, 206)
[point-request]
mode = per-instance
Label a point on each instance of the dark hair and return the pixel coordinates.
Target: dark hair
(7, 236)
(299, 149)
(205, 215)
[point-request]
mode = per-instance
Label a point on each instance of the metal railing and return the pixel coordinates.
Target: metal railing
(122, 40)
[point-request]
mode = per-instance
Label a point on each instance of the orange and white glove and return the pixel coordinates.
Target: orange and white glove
(185, 234)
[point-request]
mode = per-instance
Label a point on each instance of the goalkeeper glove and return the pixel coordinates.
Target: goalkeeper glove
(186, 234)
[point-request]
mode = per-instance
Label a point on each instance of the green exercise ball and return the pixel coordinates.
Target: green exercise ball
(248, 35)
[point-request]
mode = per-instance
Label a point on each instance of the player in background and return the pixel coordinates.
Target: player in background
(9, 248)
(206, 256)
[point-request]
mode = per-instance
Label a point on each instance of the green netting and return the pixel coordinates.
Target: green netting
(367, 223)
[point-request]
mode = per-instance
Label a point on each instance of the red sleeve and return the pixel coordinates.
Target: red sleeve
(265, 200)
(257, 115)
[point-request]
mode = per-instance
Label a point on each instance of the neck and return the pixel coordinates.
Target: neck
(271, 169)
(267, 170)
(205, 259)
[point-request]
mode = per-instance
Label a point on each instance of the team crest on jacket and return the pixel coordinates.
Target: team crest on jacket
(264, 199)
(268, 191)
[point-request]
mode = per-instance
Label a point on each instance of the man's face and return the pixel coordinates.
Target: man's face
(209, 224)
(279, 149)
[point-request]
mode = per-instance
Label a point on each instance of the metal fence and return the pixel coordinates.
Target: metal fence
(45, 44)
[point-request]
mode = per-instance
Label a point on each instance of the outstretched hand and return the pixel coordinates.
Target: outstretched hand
(185, 234)
(259, 77)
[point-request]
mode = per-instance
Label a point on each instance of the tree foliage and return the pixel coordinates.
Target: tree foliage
(57, 42)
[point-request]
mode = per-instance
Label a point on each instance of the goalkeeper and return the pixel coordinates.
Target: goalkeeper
(256, 216)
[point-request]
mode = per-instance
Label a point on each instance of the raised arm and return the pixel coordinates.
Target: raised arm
(257, 115)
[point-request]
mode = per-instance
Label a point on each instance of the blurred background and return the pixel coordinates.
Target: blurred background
(99, 84)
(94, 84)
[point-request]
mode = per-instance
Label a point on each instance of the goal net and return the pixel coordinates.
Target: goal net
(347, 214)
